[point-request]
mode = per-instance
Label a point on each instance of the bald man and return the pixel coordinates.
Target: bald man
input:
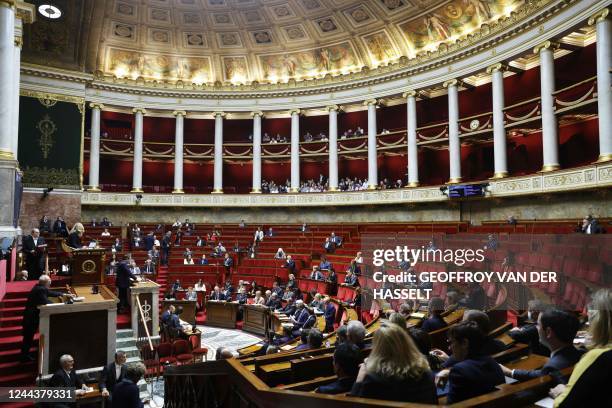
(33, 249)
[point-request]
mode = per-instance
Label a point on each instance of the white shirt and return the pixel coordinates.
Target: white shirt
(36, 240)
(117, 371)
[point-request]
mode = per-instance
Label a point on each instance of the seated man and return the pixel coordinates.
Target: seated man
(203, 260)
(191, 294)
(304, 341)
(289, 264)
(273, 302)
(355, 333)
(167, 314)
(316, 274)
(557, 329)
(329, 246)
(351, 279)
(347, 358)
(329, 312)
(452, 302)
(66, 376)
(325, 264)
(276, 289)
(337, 241)
(300, 316)
(149, 267)
(528, 332)
(435, 320)
(113, 374)
(217, 294)
(289, 308)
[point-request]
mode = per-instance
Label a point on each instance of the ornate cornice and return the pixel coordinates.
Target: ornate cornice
(532, 13)
(597, 175)
(217, 114)
(179, 113)
(257, 113)
(96, 105)
(51, 96)
(546, 45)
(451, 82)
(371, 101)
(295, 111)
(409, 94)
(335, 108)
(497, 67)
(139, 110)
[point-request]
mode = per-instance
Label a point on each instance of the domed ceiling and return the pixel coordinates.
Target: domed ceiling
(241, 41)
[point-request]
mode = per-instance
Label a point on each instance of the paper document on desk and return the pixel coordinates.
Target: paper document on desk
(545, 403)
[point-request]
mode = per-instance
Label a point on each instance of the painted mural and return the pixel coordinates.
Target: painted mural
(452, 21)
(380, 47)
(155, 66)
(309, 62)
(235, 69)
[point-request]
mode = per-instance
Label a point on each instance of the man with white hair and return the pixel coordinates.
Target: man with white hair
(67, 377)
(39, 295)
(34, 249)
(355, 333)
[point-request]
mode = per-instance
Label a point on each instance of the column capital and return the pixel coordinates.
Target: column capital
(296, 111)
(546, 45)
(95, 105)
(179, 113)
(219, 113)
(19, 41)
(335, 108)
(409, 94)
(497, 67)
(25, 12)
(8, 3)
(600, 16)
(451, 82)
(369, 102)
(140, 110)
(257, 113)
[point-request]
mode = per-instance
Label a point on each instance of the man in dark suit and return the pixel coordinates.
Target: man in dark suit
(289, 264)
(148, 268)
(273, 302)
(59, 227)
(528, 332)
(476, 297)
(166, 244)
(329, 312)
(289, 308)
(112, 374)
(435, 320)
(127, 394)
(149, 241)
(123, 281)
(66, 377)
(557, 329)
(347, 358)
(39, 295)
(217, 294)
(34, 250)
(277, 289)
(329, 246)
(228, 262)
(228, 291)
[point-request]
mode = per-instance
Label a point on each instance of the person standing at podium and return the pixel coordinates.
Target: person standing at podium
(123, 281)
(39, 295)
(75, 236)
(33, 247)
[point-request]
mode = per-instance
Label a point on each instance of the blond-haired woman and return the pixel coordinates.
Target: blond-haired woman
(75, 236)
(592, 375)
(395, 370)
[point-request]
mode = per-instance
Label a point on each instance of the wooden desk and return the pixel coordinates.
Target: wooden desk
(221, 314)
(255, 319)
(189, 309)
(530, 362)
(87, 329)
(91, 397)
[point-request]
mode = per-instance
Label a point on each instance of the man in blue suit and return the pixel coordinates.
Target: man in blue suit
(557, 329)
(290, 264)
(123, 281)
(329, 311)
(217, 294)
(316, 274)
(347, 358)
(149, 241)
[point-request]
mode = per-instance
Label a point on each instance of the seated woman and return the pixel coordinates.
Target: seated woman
(280, 254)
(105, 233)
(592, 374)
(188, 260)
(200, 286)
(395, 370)
(474, 373)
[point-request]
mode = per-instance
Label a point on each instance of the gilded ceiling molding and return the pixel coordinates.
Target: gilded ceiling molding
(51, 96)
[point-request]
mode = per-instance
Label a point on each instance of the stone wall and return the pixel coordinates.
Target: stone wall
(552, 206)
(58, 203)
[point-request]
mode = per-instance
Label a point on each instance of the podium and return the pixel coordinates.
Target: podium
(147, 292)
(88, 266)
(87, 330)
(255, 319)
(221, 314)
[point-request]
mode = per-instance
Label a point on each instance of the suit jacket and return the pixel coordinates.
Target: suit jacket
(203, 261)
(39, 295)
(317, 275)
(433, 323)
(217, 296)
(124, 276)
(242, 298)
(108, 378)
(472, 377)
(566, 357)
(529, 335)
(74, 241)
(340, 386)
(59, 227)
(127, 395)
(228, 262)
(273, 304)
(330, 315)
(148, 268)
(290, 265)
(289, 309)
(28, 245)
(300, 318)
(61, 379)
(422, 390)
(149, 242)
(279, 291)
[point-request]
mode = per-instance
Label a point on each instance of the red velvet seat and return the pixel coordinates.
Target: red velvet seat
(164, 354)
(180, 350)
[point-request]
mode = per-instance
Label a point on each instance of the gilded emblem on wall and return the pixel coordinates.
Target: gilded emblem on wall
(88, 266)
(47, 128)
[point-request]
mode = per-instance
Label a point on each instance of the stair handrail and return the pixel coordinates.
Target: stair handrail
(144, 323)
(41, 354)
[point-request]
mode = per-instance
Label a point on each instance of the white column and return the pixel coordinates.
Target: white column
(550, 143)
(413, 153)
(137, 172)
(295, 150)
(7, 61)
(257, 152)
(500, 156)
(178, 151)
(16, 84)
(218, 175)
(372, 153)
(94, 148)
(454, 144)
(604, 83)
(333, 147)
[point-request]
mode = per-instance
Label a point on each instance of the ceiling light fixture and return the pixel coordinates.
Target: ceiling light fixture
(50, 11)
